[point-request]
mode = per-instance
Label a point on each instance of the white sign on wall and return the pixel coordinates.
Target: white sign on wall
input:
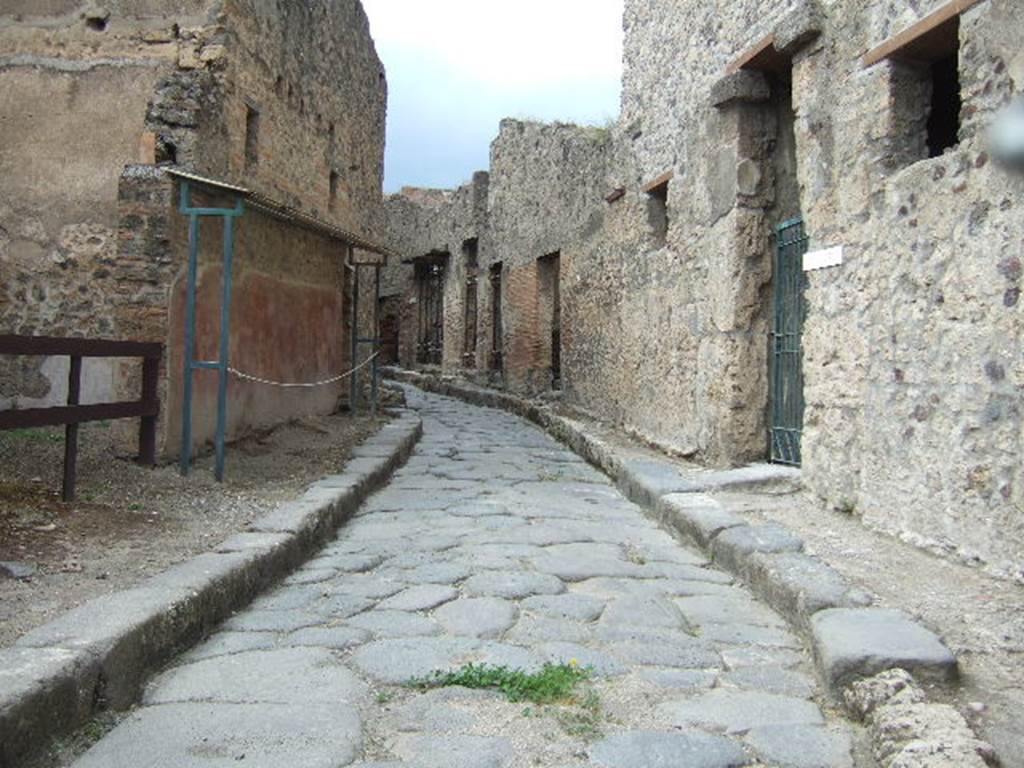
(828, 257)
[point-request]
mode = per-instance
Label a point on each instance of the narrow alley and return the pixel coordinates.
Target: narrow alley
(493, 545)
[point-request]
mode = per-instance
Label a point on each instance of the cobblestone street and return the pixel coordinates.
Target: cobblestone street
(493, 545)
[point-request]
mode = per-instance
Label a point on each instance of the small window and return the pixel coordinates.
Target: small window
(944, 112)
(471, 251)
(657, 208)
(925, 83)
(333, 200)
(252, 136)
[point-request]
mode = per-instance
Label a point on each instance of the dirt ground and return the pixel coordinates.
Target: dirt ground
(130, 522)
(981, 618)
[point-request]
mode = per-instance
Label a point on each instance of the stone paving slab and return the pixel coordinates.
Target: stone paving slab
(117, 641)
(519, 566)
(220, 735)
(768, 556)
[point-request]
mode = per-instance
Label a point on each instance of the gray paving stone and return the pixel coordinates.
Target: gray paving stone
(343, 606)
(654, 749)
(744, 609)
(338, 638)
(437, 573)
(438, 711)
(573, 568)
(859, 642)
(291, 598)
(769, 680)
(456, 751)
(374, 587)
(740, 657)
(680, 679)
(531, 630)
(684, 573)
(602, 664)
(421, 598)
(736, 712)
(568, 606)
(477, 616)
(748, 634)
(225, 643)
(513, 584)
(644, 611)
(211, 735)
(693, 655)
(504, 655)
(801, 746)
(288, 676)
(402, 660)
(671, 552)
(395, 624)
(271, 621)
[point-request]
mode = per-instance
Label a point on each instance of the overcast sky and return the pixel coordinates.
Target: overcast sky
(456, 67)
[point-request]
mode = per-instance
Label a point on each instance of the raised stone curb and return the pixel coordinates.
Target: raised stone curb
(850, 640)
(97, 656)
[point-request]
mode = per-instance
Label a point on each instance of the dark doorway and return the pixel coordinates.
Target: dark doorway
(549, 272)
(470, 252)
(497, 334)
(390, 308)
(430, 291)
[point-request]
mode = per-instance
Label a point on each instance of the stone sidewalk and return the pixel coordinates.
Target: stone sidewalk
(492, 545)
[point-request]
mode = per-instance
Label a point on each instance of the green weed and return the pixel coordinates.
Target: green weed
(553, 683)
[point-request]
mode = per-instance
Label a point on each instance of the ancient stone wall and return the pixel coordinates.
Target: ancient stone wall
(442, 225)
(283, 98)
(735, 118)
(913, 416)
(547, 182)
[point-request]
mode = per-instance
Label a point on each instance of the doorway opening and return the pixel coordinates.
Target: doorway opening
(549, 273)
(470, 254)
(497, 334)
(430, 272)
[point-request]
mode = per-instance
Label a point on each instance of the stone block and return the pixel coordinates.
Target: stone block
(798, 586)
(697, 516)
(644, 481)
(734, 547)
(633, 749)
(799, 27)
(854, 643)
(42, 690)
(745, 85)
(199, 735)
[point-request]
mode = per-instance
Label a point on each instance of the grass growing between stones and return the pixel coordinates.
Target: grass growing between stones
(554, 682)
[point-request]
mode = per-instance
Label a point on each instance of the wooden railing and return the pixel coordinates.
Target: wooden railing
(147, 408)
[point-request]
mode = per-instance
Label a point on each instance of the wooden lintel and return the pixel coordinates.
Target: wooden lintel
(929, 24)
(755, 51)
(661, 181)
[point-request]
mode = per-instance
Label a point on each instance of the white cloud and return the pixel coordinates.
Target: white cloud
(456, 67)
(506, 45)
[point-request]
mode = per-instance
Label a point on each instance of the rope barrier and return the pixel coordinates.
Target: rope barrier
(310, 385)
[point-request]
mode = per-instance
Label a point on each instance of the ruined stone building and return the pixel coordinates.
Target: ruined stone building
(98, 102)
(792, 245)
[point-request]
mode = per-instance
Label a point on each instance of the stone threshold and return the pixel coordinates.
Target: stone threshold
(850, 639)
(98, 656)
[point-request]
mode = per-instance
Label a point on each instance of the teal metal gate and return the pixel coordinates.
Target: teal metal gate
(787, 405)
